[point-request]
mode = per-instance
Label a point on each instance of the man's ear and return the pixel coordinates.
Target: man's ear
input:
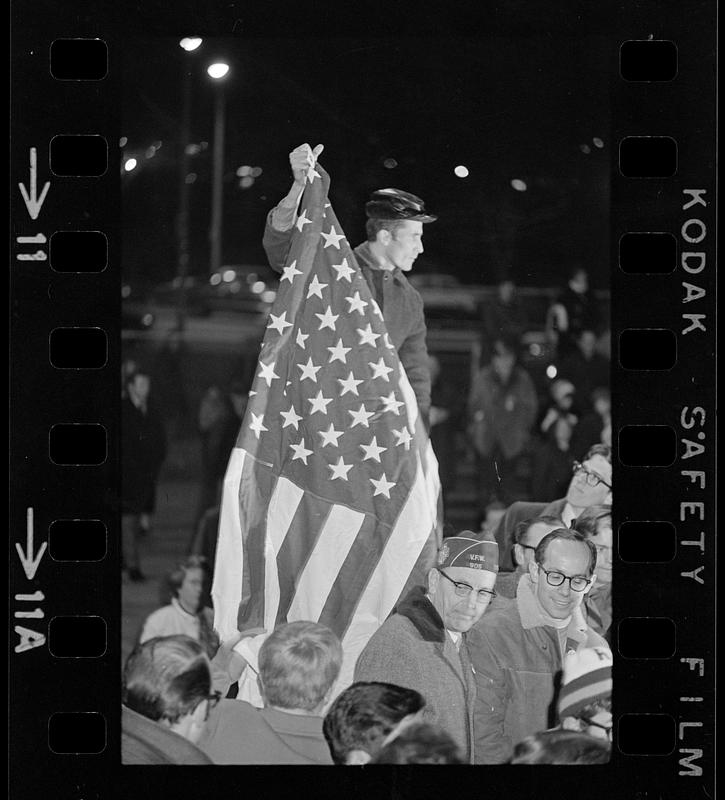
(433, 578)
(357, 757)
(518, 554)
(534, 571)
(593, 580)
(383, 236)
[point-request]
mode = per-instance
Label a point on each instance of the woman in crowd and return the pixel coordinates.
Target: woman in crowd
(184, 613)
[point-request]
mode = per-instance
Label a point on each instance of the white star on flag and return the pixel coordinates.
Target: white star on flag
(301, 452)
(319, 403)
(349, 384)
(376, 308)
(291, 417)
(356, 304)
(367, 336)
(380, 369)
(309, 370)
(302, 220)
(343, 271)
(288, 273)
(360, 417)
(279, 323)
(328, 319)
(403, 436)
(391, 404)
(332, 238)
(339, 352)
(372, 450)
(315, 287)
(330, 436)
(312, 173)
(302, 338)
(339, 470)
(387, 341)
(382, 486)
(267, 373)
(256, 424)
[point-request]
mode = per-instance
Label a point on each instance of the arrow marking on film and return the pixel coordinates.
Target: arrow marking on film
(30, 563)
(32, 201)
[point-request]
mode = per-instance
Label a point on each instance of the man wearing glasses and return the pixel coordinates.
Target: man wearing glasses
(590, 485)
(422, 646)
(527, 535)
(518, 650)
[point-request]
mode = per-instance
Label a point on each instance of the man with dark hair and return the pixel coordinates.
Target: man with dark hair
(298, 665)
(590, 485)
(395, 233)
(502, 406)
(595, 524)
(518, 650)
(421, 743)
(365, 716)
(143, 449)
(166, 701)
(527, 535)
(422, 645)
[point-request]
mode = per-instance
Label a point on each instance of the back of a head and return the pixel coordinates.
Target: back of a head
(298, 664)
(561, 747)
(420, 743)
(587, 523)
(165, 678)
(364, 714)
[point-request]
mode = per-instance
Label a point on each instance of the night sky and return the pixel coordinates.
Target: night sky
(503, 107)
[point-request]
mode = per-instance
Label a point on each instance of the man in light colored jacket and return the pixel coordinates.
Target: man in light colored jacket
(518, 649)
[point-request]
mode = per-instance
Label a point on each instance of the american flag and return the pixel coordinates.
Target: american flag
(330, 507)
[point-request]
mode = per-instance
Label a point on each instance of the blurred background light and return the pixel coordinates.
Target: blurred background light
(390, 163)
(598, 142)
(585, 148)
(190, 43)
(461, 171)
(217, 70)
(518, 184)
(130, 164)
(551, 372)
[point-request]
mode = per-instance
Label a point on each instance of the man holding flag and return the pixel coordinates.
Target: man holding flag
(330, 504)
(395, 239)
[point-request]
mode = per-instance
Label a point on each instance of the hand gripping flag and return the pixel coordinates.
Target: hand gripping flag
(331, 495)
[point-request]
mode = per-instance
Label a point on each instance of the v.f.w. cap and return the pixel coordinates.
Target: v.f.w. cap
(471, 550)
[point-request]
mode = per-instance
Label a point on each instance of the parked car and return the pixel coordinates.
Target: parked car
(247, 288)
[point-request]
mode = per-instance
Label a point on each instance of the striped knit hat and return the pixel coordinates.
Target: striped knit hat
(587, 677)
(468, 549)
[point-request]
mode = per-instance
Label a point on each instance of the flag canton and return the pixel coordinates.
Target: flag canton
(331, 407)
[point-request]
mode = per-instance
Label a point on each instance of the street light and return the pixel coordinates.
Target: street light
(189, 44)
(217, 71)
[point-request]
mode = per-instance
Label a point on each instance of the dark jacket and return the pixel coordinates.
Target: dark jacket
(502, 414)
(144, 741)
(143, 449)
(518, 660)
(412, 649)
(400, 304)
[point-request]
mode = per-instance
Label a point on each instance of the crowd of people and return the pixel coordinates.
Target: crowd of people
(501, 655)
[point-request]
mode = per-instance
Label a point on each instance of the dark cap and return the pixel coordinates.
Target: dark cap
(394, 204)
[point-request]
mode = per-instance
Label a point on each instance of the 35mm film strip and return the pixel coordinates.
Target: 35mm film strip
(65, 269)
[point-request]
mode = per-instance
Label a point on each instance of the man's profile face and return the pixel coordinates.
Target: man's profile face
(569, 558)
(459, 613)
(580, 493)
(525, 549)
(405, 244)
(603, 542)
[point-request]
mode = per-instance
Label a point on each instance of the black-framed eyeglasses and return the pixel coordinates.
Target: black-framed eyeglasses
(464, 590)
(578, 583)
(212, 701)
(591, 478)
(526, 546)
